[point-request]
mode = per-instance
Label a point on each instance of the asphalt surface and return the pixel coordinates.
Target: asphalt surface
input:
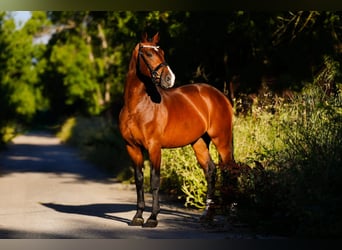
(47, 191)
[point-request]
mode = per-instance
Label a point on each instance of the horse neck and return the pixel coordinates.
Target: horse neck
(134, 91)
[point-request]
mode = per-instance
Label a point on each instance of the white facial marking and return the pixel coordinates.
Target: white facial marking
(173, 77)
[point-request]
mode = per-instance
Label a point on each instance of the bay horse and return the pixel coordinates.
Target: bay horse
(156, 116)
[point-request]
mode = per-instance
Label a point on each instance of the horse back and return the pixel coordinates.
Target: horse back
(205, 98)
(192, 110)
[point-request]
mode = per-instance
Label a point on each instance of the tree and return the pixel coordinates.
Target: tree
(20, 95)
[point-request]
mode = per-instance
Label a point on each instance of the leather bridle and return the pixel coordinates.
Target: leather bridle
(155, 76)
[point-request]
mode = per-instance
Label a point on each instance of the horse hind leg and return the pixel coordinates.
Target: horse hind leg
(223, 142)
(229, 180)
(201, 148)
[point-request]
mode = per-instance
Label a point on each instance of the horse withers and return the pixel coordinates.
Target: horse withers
(156, 116)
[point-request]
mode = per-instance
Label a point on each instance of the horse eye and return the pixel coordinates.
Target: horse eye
(149, 54)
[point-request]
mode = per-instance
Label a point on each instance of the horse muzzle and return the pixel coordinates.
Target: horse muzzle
(167, 78)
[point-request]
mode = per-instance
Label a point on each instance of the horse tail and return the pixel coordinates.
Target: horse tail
(233, 159)
(228, 91)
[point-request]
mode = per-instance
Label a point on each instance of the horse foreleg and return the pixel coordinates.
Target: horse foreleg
(155, 158)
(137, 158)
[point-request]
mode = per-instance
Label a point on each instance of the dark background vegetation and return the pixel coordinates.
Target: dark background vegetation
(281, 68)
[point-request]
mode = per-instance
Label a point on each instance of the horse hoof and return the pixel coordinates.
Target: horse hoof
(137, 222)
(151, 223)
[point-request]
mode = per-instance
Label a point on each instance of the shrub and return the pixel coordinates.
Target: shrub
(312, 161)
(182, 176)
(297, 192)
(7, 133)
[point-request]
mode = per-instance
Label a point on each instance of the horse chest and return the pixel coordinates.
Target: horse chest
(140, 128)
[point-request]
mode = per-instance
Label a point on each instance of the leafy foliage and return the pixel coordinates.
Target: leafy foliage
(183, 177)
(20, 94)
(296, 190)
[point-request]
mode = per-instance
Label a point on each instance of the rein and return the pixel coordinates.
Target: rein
(155, 77)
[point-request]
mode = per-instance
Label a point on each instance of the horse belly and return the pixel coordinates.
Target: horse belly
(183, 131)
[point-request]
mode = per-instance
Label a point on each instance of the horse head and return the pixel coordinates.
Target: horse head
(151, 62)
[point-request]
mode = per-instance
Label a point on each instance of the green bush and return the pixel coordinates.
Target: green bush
(7, 133)
(182, 176)
(312, 161)
(297, 190)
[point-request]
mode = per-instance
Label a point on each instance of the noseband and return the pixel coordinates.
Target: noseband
(155, 77)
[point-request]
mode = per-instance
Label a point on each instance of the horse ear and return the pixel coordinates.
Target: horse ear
(155, 38)
(144, 37)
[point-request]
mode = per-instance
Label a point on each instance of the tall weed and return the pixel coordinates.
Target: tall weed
(312, 159)
(182, 176)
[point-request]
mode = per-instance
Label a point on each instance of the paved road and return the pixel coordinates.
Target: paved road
(47, 191)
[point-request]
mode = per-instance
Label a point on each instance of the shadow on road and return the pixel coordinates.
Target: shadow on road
(43, 153)
(105, 211)
(21, 234)
(97, 210)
